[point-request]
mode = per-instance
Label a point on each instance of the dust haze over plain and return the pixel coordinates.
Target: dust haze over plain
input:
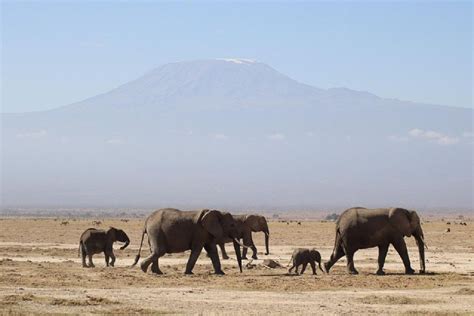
(237, 133)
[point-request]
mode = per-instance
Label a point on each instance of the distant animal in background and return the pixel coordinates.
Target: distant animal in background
(303, 256)
(64, 223)
(95, 241)
(97, 223)
(124, 220)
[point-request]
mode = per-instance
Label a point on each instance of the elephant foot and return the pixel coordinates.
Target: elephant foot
(225, 257)
(254, 257)
(156, 270)
(188, 273)
(267, 253)
(409, 271)
(422, 271)
(380, 272)
(144, 267)
(245, 258)
(220, 272)
(353, 272)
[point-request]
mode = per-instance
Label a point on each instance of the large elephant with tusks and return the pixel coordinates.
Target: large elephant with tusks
(359, 228)
(173, 231)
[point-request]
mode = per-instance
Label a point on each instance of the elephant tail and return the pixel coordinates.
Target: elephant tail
(139, 249)
(79, 250)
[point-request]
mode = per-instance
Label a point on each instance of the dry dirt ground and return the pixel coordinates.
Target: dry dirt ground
(40, 272)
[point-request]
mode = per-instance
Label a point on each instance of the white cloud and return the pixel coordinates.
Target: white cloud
(310, 134)
(220, 136)
(433, 136)
(33, 135)
(445, 140)
(277, 136)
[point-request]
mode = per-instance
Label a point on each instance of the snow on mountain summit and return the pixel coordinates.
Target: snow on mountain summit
(239, 60)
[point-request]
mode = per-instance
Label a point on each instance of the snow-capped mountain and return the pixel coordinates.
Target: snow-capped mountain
(238, 133)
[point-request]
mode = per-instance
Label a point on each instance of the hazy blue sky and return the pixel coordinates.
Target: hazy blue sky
(54, 54)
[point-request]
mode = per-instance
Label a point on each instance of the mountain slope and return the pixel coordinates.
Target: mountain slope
(237, 133)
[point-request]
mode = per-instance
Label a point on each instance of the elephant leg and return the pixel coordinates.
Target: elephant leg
(383, 249)
(292, 267)
(248, 241)
(401, 248)
(296, 269)
(155, 268)
(350, 262)
(91, 264)
(304, 267)
(195, 252)
(313, 267)
(83, 257)
(112, 259)
(106, 259)
(224, 253)
(211, 250)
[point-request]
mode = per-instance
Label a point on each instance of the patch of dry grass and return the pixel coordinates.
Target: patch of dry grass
(394, 300)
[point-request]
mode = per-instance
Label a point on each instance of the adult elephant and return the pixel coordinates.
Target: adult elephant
(173, 231)
(359, 228)
(246, 224)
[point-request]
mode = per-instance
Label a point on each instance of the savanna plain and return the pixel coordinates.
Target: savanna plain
(40, 272)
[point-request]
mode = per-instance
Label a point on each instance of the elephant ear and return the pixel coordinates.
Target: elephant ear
(252, 222)
(210, 220)
(401, 219)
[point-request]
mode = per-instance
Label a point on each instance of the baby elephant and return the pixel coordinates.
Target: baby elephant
(303, 256)
(98, 240)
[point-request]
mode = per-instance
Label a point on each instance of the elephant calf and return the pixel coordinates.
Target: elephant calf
(303, 256)
(95, 241)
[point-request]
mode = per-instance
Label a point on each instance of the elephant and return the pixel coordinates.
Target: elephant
(95, 241)
(303, 256)
(246, 224)
(172, 231)
(360, 228)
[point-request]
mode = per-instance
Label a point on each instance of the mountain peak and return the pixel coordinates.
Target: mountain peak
(238, 60)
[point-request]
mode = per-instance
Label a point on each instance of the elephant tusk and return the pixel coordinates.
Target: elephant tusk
(241, 244)
(424, 243)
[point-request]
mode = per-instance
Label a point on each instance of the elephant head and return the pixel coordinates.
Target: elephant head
(409, 224)
(115, 234)
(258, 223)
(220, 225)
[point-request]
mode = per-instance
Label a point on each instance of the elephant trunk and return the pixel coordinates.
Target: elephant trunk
(238, 254)
(126, 244)
(267, 236)
(420, 242)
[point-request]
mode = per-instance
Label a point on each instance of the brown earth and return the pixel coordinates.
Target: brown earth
(40, 272)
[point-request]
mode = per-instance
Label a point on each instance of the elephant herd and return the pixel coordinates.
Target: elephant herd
(173, 231)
